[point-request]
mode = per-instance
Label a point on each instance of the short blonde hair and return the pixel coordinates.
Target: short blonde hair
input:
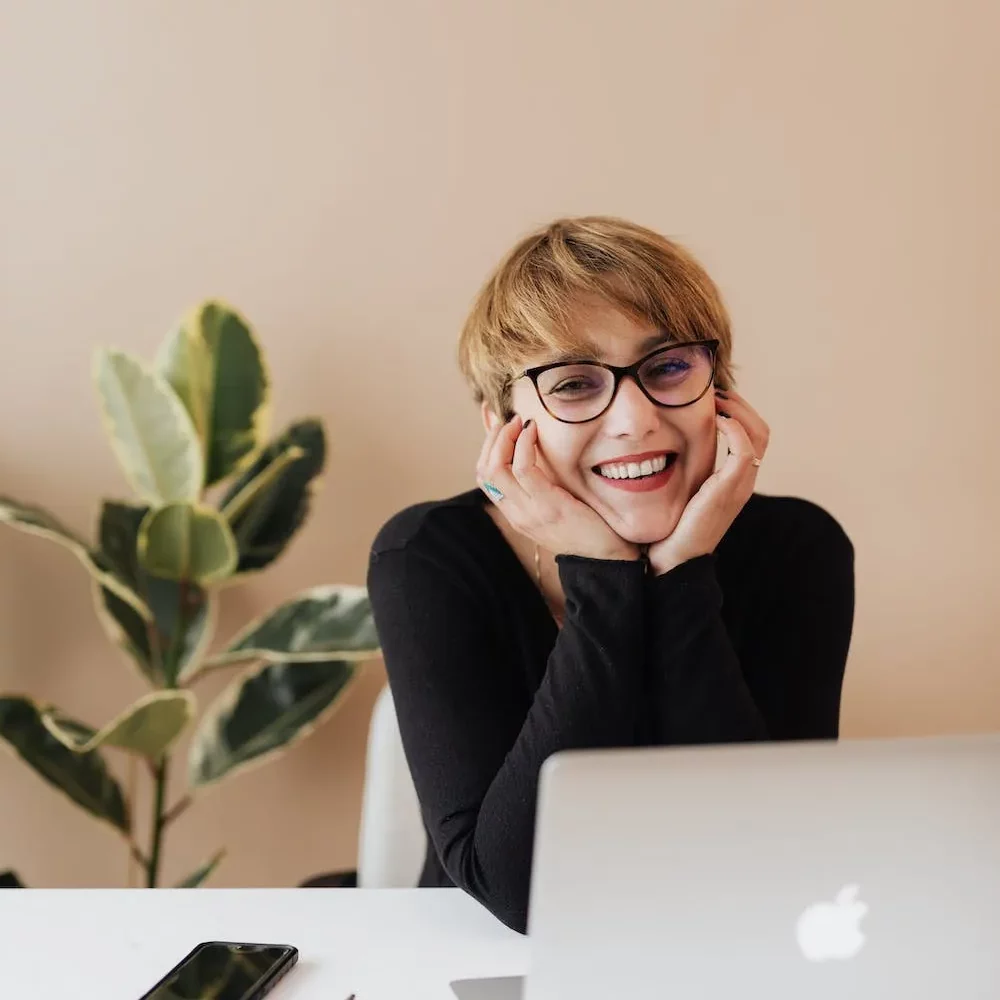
(524, 308)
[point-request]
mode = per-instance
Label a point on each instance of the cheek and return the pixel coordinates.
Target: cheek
(703, 444)
(524, 401)
(560, 454)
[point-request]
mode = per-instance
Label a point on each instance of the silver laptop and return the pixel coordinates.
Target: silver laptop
(859, 869)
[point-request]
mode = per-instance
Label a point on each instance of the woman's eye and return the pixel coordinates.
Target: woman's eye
(670, 368)
(573, 385)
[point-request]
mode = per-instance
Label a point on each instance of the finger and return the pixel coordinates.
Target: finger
(503, 447)
(496, 470)
(736, 401)
(738, 408)
(755, 425)
(484, 453)
(741, 453)
(525, 451)
(737, 439)
(525, 467)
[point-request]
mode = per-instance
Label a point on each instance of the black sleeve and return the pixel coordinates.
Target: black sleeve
(788, 684)
(474, 740)
(699, 691)
(806, 619)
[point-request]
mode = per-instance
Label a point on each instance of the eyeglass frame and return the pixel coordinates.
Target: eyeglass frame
(620, 373)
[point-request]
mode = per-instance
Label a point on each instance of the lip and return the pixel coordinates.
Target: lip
(649, 483)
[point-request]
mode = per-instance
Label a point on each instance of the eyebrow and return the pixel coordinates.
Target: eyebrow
(648, 345)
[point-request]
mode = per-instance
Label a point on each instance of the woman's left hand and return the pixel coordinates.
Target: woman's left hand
(710, 512)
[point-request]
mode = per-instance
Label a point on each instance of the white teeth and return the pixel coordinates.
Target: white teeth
(633, 470)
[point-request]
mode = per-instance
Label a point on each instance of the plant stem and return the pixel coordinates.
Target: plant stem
(159, 798)
(137, 855)
(209, 668)
(176, 810)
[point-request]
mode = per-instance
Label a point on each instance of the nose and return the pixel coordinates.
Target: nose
(631, 414)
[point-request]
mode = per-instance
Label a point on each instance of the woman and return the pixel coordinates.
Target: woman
(607, 585)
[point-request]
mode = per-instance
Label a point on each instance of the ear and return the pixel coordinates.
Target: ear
(490, 419)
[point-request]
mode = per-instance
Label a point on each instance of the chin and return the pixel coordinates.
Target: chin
(645, 530)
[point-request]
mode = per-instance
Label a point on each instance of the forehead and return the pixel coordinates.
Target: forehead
(602, 331)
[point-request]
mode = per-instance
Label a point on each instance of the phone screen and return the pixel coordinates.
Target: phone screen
(225, 970)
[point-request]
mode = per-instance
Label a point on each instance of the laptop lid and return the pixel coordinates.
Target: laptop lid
(860, 869)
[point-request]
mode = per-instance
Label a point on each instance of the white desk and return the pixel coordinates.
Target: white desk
(390, 944)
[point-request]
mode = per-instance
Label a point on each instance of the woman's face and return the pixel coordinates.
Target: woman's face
(631, 427)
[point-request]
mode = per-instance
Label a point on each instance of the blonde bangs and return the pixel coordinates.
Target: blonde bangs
(525, 309)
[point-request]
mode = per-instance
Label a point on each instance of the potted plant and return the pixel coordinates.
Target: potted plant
(215, 500)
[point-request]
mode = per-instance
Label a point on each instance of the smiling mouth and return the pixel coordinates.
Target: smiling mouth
(650, 465)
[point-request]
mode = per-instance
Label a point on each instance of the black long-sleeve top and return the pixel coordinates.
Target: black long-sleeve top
(749, 643)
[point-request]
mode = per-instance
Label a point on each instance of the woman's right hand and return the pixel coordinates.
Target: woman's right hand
(537, 507)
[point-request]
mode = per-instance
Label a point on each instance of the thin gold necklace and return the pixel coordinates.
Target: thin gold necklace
(538, 580)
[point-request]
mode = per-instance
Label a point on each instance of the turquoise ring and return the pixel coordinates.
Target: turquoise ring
(493, 492)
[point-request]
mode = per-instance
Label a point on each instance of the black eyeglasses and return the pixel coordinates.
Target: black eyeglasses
(673, 376)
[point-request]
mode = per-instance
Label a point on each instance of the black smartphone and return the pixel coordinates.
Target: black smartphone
(225, 970)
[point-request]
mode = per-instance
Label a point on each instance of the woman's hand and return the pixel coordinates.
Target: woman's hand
(710, 512)
(535, 506)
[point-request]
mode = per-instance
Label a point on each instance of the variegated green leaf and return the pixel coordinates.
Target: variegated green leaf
(265, 525)
(71, 733)
(152, 434)
(239, 503)
(84, 778)
(263, 712)
(36, 521)
(198, 876)
(169, 646)
(148, 727)
(118, 536)
(334, 620)
(216, 367)
(128, 631)
(186, 542)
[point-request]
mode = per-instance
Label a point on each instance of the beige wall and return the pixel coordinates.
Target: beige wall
(346, 172)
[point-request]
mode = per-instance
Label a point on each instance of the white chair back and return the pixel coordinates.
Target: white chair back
(392, 841)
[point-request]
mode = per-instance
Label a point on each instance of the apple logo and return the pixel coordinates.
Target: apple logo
(831, 930)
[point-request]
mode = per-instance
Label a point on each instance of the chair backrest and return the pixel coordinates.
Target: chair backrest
(392, 840)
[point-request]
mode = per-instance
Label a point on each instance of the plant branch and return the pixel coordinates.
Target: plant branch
(135, 855)
(210, 668)
(176, 810)
(138, 856)
(153, 865)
